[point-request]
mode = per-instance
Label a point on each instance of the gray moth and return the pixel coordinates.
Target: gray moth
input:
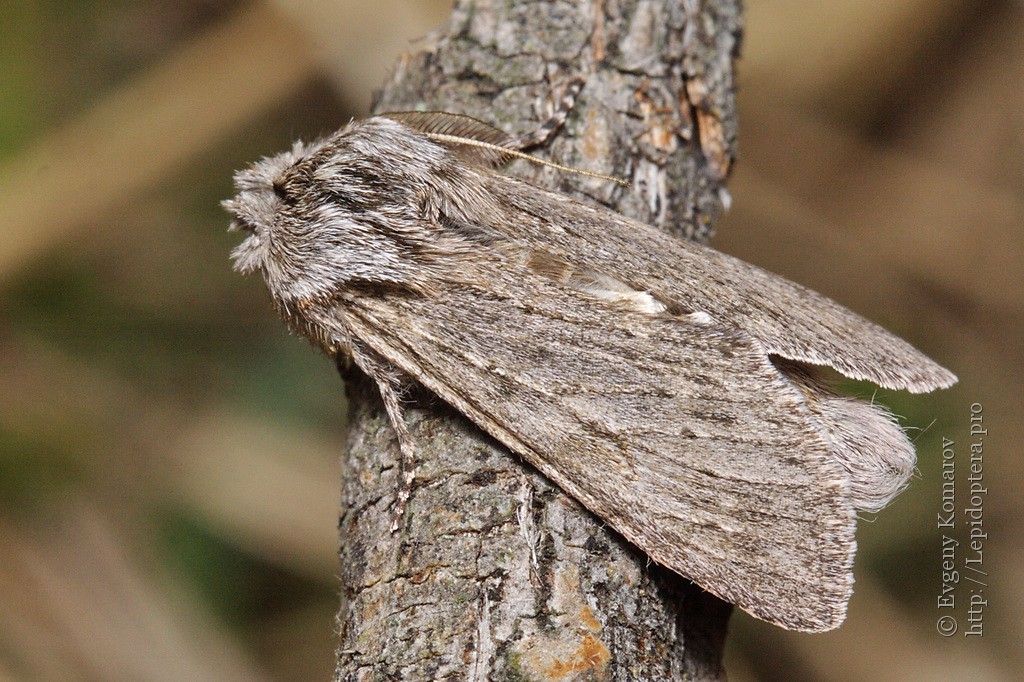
(667, 387)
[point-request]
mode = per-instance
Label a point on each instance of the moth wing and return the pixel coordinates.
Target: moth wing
(681, 435)
(789, 320)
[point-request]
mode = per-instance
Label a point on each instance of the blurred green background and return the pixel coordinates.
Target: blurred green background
(168, 453)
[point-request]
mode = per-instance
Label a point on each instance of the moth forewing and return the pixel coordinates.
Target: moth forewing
(790, 320)
(680, 435)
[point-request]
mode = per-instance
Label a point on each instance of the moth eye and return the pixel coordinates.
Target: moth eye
(281, 192)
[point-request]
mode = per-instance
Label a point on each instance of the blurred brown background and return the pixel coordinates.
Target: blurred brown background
(168, 454)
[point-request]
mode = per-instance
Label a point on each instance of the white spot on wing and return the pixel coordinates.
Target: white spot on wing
(700, 317)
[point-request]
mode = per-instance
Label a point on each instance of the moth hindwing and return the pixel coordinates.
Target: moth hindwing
(664, 385)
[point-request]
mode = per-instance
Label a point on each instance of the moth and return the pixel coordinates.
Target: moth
(667, 387)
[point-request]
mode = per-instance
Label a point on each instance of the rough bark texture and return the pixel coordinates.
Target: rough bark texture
(495, 574)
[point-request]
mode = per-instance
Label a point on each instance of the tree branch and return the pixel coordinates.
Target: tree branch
(496, 574)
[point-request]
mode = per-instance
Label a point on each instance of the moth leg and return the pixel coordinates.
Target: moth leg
(389, 382)
(546, 131)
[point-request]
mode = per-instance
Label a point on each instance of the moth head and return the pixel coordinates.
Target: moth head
(298, 230)
(260, 207)
(367, 205)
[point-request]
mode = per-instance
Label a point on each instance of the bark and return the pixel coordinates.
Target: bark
(495, 574)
